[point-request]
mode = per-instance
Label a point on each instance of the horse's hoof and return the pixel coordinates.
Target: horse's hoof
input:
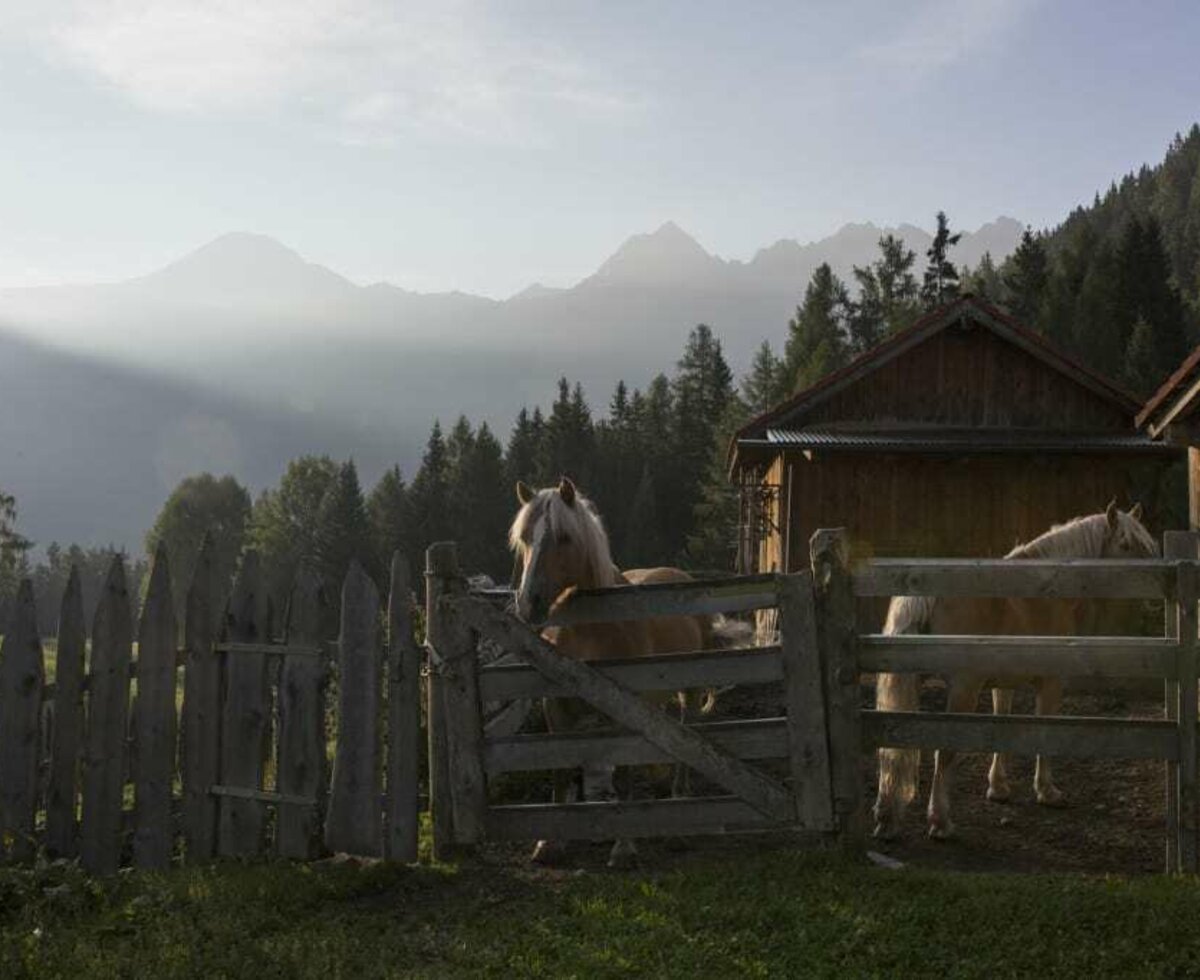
(942, 830)
(999, 794)
(1053, 796)
(548, 853)
(623, 858)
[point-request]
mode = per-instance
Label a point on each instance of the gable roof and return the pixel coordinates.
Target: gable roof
(967, 307)
(1164, 407)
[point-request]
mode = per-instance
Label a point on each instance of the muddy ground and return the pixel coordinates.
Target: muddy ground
(1113, 820)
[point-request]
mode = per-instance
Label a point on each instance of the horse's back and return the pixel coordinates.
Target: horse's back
(670, 634)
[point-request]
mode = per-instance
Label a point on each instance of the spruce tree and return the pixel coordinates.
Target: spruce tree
(284, 521)
(1025, 277)
(767, 382)
(429, 494)
(940, 284)
(888, 295)
(817, 335)
(389, 514)
(343, 531)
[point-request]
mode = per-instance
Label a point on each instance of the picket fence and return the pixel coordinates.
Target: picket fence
(121, 760)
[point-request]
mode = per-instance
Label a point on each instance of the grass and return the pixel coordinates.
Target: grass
(765, 913)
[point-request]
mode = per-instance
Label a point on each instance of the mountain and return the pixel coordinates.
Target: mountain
(288, 357)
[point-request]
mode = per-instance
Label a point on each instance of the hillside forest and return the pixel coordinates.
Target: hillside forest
(1117, 285)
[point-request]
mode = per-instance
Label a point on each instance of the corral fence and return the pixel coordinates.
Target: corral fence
(241, 743)
(123, 760)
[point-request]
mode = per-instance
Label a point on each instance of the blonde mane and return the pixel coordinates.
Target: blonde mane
(578, 523)
(1080, 537)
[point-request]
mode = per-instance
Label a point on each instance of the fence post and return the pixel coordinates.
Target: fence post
(108, 707)
(837, 642)
(808, 744)
(1177, 546)
(1186, 591)
(245, 717)
(354, 821)
(201, 716)
(154, 720)
(301, 768)
(21, 678)
(61, 832)
(404, 717)
(456, 734)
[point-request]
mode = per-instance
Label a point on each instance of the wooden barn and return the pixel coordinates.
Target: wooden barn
(958, 437)
(1172, 416)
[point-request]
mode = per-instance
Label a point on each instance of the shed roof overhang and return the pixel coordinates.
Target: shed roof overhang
(1173, 407)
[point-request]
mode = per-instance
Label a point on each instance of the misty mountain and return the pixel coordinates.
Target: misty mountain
(242, 354)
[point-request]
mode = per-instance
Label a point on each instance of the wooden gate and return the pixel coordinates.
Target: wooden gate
(464, 756)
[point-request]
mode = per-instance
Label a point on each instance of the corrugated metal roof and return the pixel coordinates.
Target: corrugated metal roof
(948, 440)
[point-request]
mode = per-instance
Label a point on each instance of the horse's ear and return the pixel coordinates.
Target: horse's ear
(1136, 511)
(566, 490)
(1110, 512)
(524, 494)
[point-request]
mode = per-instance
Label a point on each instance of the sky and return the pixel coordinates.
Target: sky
(450, 144)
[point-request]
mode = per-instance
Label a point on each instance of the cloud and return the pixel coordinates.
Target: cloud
(363, 70)
(943, 32)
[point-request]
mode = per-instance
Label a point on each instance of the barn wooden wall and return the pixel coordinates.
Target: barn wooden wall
(970, 377)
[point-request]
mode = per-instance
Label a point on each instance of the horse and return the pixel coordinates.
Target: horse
(560, 541)
(1110, 534)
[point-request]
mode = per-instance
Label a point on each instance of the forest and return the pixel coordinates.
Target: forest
(1117, 285)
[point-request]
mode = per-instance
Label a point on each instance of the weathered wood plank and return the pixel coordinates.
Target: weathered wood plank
(201, 715)
(21, 677)
(62, 793)
(263, 796)
(625, 602)
(245, 718)
(807, 721)
(404, 718)
(1176, 545)
(354, 819)
(104, 745)
(301, 769)
(1188, 816)
(837, 639)
(1101, 738)
(625, 819)
(626, 708)
(663, 672)
(759, 738)
(1025, 656)
(274, 649)
(154, 720)
(456, 665)
(1036, 578)
(441, 578)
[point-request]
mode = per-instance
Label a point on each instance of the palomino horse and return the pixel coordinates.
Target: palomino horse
(562, 544)
(1112, 534)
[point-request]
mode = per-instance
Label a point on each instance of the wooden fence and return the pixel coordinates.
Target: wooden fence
(122, 759)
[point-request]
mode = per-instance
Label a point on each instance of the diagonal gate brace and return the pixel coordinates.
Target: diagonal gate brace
(576, 679)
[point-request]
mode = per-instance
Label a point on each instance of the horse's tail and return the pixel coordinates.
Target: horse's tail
(898, 768)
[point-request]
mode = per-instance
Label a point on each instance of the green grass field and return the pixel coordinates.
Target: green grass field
(768, 912)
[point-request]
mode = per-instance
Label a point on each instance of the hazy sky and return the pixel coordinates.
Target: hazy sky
(444, 144)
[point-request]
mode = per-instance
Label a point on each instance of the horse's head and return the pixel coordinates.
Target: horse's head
(1125, 535)
(561, 543)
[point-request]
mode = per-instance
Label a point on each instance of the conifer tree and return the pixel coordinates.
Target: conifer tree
(343, 531)
(888, 295)
(1026, 275)
(940, 284)
(817, 335)
(389, 514)
(767, 381)
(429, 494)
(284, 522)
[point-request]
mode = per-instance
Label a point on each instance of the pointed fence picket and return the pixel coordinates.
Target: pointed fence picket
(200, 722)
(21, 682)
(62, 792)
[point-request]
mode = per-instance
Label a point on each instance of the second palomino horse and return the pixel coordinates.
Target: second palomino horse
(562, 545)
(1111, 534)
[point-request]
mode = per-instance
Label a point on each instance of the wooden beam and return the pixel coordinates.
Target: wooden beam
(1032, 578)
(1019, 656)
(624, 819)
(1104, 738)
(626, 602)
(579, 680)
(759, 738)
(664, 672)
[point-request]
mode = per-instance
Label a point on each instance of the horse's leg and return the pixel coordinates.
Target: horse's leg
(1048, 702)
(558, 718)
(999, 790)
(681, 775)
(964, 692)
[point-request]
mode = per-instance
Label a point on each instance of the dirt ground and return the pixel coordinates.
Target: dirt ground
(1113, 820)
